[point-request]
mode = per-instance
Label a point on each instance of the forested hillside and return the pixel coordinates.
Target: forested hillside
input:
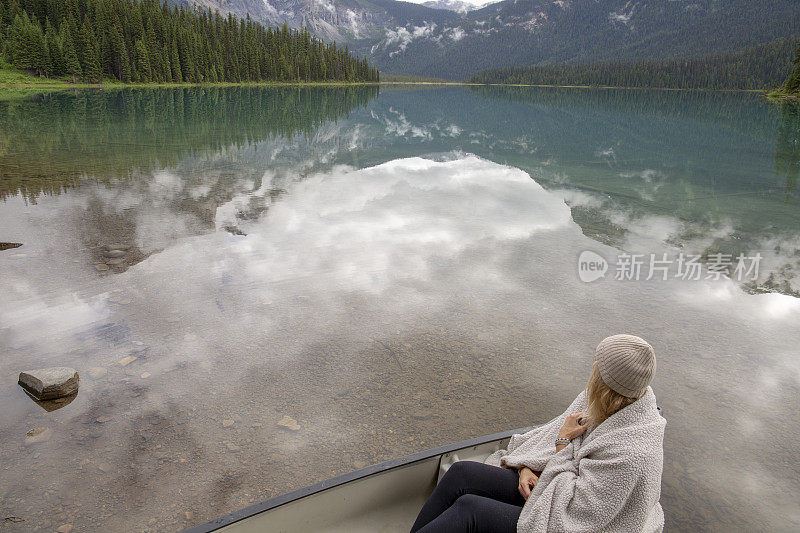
(516, 33)
(147, 41)
(792, 84)
(758, 67)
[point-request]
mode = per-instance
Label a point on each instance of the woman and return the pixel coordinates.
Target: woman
(597, 467)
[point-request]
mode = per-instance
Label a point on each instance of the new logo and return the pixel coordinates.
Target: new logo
(591, 266)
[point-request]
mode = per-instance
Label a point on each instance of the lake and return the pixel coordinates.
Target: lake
(265, 287)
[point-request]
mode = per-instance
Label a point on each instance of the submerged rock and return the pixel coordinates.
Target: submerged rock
(127, 360)
(37, 435)
(51, 405)
(289, 423)
(50, 383)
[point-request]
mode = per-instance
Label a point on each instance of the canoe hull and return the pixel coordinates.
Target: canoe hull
(385, 497)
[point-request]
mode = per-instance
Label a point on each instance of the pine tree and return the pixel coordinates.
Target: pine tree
(54, 50)
(91, 58)
(120, 63)
(177, 75)
(792, 84)
(142, 61)
(71, 64)
(26, 45)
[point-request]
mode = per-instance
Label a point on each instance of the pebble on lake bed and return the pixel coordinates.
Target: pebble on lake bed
(289, 423)
(65, 528)
(37, 435)
(50, 383)
(127, 360)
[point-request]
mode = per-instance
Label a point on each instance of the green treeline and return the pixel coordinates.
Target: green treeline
(119, 132)
(792, 84)
(147, 41)
(758, 67)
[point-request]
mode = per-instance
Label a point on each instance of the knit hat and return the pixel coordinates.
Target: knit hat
(626, 363)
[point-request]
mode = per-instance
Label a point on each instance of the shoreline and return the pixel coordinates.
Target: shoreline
(781, 96)
(471, 84)
(34, 86)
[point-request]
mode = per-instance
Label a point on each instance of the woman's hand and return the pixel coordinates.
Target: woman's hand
(527, 481)
(571, 428)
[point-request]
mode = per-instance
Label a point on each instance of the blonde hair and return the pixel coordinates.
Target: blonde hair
(602, 401)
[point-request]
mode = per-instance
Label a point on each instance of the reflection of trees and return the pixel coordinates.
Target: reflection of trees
(49, 142)
(787, 151)
(725, 108)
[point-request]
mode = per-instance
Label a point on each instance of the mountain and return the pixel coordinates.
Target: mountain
(531, 32)
(362, 23)
(453, 5)
(406, 38)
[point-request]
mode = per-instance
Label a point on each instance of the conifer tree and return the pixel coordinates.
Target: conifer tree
(120, 62)
(72, 66)
(792, 84)
(142, 61)
(54, 50)
(91, 58)
(177, 75)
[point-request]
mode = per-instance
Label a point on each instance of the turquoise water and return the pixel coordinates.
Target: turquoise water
(307, 281)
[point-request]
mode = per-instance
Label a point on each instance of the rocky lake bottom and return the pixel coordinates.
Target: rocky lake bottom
(255, 316)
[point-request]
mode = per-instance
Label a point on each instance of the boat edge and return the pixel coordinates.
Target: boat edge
(282, 499)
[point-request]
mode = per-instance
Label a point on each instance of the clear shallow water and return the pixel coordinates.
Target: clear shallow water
(339, 257)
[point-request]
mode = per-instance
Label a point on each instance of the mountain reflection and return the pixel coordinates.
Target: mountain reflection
(787, 152)
(50, 142)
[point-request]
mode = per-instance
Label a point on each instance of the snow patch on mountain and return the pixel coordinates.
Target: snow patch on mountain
(352, 20)
(402, 37)
(459, 6)
(619, 17)
(327, 6)
(534, 21)
(456, 34)
(270, 10)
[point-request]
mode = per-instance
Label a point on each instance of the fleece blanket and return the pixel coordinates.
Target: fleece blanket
(609, 479)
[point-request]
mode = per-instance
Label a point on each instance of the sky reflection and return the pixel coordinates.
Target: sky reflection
(387, 303)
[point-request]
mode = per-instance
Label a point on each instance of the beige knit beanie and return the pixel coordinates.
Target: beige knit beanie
(626, 363)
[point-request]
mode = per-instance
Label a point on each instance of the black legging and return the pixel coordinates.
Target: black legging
(473, 497)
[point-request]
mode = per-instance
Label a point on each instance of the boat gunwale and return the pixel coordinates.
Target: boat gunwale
(310, 490)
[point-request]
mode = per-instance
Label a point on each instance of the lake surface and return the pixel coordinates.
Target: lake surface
(262, 288)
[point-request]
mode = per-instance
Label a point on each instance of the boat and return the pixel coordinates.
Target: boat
(384, 497)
